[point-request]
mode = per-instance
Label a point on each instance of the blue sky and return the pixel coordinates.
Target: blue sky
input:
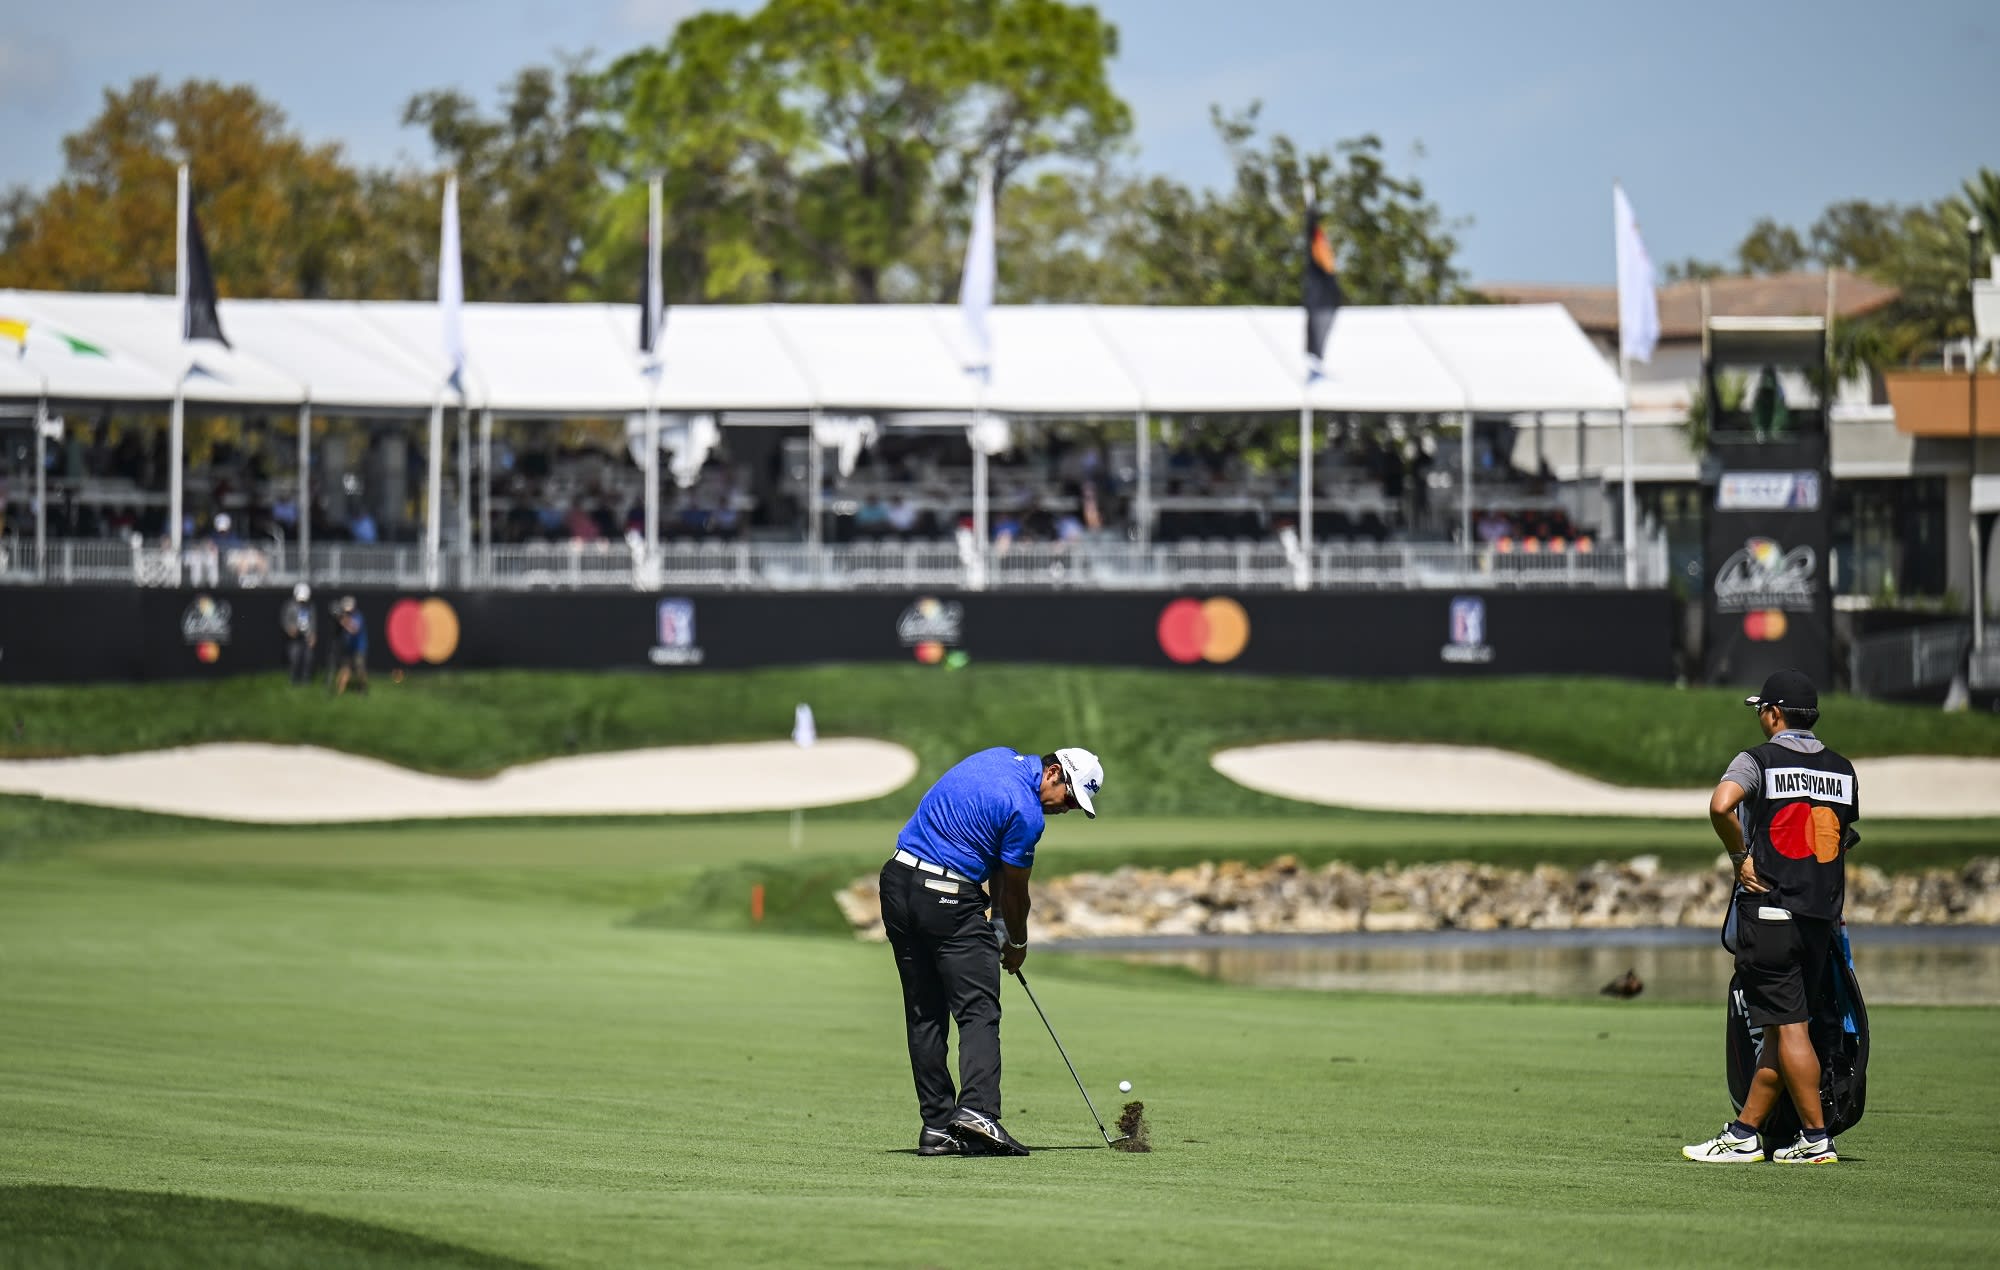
(1711, 113)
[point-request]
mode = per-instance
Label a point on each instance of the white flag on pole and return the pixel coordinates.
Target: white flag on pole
(975, 291)
(1638, 298)
(451, 289)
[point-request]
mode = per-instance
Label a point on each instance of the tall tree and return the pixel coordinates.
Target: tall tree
(1856, 235)
(1771, 248)
(808, 146)
(529, 186)
(1241, 245)
(283, 218)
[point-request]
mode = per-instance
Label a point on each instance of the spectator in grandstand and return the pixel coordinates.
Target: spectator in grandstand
(903, 515)
(362, 527)
(353, 661)
(301, 635)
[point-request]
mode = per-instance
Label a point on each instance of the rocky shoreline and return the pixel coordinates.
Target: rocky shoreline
(1284, 897)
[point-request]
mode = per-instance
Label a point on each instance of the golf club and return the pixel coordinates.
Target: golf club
(1108, 1139)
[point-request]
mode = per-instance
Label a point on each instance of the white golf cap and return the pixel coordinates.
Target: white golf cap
(1085, 774)
(302, 592)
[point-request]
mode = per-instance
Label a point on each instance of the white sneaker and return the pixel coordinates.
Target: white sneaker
(1807, 1151)
(1726, 1148)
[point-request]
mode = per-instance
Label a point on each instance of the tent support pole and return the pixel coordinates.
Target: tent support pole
(464, 495)
(486, 496)
(176, 429)
(42, 490)
(815, 476)
(652, 475)
(1142, 428)
(434, 492)
(305, 502)
(1303, 567)
(1465, 482)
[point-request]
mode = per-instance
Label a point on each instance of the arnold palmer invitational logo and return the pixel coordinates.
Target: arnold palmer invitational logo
(931, 626)
(205, 626)
(1763, 575)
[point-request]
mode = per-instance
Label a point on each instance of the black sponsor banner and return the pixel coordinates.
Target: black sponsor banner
(1767, 597)
(75, 635)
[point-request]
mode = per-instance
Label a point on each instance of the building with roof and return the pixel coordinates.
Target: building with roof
(1901, 488)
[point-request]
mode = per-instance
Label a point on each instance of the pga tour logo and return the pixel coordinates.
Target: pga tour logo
(674, 635)
(1468, 646)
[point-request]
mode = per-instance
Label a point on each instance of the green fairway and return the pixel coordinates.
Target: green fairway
(410, 1060)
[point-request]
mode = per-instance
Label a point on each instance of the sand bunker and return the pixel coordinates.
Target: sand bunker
(277, 784)
(1375, 776)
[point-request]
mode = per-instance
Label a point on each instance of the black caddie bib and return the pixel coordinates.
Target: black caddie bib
(1798, 821)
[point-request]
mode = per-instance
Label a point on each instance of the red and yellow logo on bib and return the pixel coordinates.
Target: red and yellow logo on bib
(1801, 829)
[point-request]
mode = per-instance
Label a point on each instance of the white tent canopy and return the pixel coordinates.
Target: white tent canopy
(144, 330)
(583, 360)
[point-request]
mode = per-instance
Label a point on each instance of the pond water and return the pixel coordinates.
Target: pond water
(1896, 965)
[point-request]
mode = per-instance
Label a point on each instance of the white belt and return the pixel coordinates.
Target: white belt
(904, 857)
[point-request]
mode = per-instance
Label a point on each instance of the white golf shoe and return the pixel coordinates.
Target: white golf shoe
(1807, 1151)
(1726, 1148)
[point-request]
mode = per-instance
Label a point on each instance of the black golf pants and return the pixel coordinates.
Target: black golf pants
(948, 955)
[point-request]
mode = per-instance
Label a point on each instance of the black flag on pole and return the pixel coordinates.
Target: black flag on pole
(652, 300)
(200, 318)
(1323, 295)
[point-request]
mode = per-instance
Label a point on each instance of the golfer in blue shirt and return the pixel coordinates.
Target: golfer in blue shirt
(982, 818)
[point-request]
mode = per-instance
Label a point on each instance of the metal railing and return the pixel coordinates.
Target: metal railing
(1920, 659)
(1088, 566)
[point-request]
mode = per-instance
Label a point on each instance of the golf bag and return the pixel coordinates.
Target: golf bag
(1838, 1025)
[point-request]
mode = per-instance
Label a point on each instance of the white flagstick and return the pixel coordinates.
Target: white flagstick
(804, 733)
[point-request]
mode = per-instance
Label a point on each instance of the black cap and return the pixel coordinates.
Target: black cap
(1787, 688)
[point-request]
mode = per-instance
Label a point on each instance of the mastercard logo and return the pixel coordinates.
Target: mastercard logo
(1799, 830)
(1767, 625)
(1214, 630)
(423, 630)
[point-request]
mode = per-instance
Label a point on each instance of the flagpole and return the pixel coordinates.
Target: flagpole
(651, 320)
(464, 492)
(1631, 503)
(1303, 569)
(177, 420)
(979, 516)
(433, 494)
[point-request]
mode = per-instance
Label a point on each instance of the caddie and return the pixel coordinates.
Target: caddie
(1785, 811)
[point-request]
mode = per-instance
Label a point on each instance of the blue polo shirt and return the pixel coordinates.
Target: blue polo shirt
(984, 812)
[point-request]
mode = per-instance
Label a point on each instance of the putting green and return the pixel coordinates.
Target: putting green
(427, 1065)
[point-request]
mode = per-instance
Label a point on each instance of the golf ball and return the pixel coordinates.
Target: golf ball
(1124, 1086)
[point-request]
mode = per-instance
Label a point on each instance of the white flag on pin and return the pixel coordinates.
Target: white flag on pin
(803, 731)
